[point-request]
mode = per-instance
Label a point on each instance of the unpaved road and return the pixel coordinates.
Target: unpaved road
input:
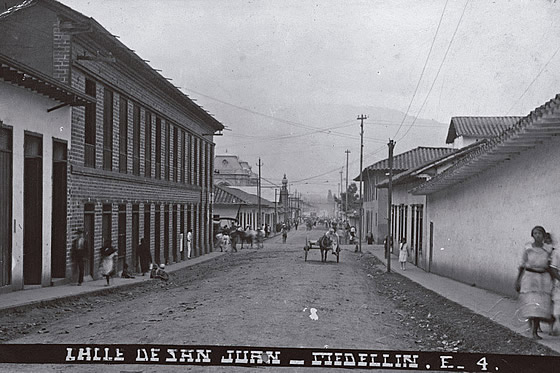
(264, 297)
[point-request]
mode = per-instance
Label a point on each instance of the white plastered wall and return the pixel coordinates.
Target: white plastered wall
(481, 225)
(26, 111)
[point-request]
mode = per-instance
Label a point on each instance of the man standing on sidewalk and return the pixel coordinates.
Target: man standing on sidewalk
(79, 253)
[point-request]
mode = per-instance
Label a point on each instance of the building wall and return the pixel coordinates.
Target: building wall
(26, 111)
(402, 197)
(375, 205)
(481, 225)
(96, 186)
(34, 49)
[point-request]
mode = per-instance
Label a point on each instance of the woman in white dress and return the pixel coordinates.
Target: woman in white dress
(403, 253)
(108, 256)
(534, 282)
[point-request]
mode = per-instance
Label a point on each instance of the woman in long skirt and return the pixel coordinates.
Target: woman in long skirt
(108, 255)
(534, 282)
(403, 253)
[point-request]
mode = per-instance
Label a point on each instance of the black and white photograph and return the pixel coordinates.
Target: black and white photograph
(283, 185)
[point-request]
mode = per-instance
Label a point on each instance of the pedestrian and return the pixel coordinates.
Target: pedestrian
(534, 283)
(284, 233)
(189, 243)
(108, 256)
(554, 272)
(145, 256)
(369, 238)
(403, 253)
(388, 244)
(79, 254)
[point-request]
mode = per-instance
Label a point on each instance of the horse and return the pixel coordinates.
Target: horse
(325, 244)
(243, 236)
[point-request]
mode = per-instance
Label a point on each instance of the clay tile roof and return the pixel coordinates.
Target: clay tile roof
(224, 195)
(541, 124)
(410, 159)
(479, 127)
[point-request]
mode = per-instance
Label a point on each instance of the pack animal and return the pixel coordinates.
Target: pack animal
(239, 235)
(325, 244)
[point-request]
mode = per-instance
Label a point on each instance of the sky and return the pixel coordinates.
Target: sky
(289, 78)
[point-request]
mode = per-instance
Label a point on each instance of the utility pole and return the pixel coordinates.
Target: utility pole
(340, 194)
(361, 118)
(259, 194)
(391, 145)
(337, 212)
(275, 210)
(346, 192)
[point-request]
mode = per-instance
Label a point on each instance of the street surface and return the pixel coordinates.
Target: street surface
(264, 297)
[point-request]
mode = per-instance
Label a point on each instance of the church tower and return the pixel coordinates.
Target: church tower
(284, 199)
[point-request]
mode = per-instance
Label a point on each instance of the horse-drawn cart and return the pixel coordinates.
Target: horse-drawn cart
(324, 245)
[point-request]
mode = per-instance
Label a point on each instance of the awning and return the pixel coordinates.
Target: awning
(24, 76)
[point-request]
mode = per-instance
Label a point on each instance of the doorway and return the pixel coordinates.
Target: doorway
(6, 201)
(32, 209)
(58, 224)
(89, 238)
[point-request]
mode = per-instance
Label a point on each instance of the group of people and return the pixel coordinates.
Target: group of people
(109, 256)
(538, 283)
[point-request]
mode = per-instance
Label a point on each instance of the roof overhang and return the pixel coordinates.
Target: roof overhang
(527, 133)
(24, 76)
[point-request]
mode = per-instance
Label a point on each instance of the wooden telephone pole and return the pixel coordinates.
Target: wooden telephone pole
(259, 195)
(361, 118)
(346, 191)
(391, 145)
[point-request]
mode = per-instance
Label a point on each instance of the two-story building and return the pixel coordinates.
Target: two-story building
(138, 152)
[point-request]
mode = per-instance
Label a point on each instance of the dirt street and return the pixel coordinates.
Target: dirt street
(265, 297)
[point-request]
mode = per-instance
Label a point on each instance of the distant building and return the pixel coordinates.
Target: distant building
(229, 170)
(231, 202)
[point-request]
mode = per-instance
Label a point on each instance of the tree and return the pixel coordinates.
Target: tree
(354, 201)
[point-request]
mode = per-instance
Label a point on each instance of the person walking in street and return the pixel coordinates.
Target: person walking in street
(534, 282)
(284, 233)
(403, 253)
(145, 256)
(189, 243)
(108, 256)
(79, 254)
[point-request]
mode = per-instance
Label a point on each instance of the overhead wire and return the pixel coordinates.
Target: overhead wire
(439, 70)
(534, 80)
(423, 69)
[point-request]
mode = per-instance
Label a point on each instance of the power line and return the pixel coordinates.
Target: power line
(423, 69)
(439, 70)
(533, 81)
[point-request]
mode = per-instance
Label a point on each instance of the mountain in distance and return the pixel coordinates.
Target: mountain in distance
(308, 143)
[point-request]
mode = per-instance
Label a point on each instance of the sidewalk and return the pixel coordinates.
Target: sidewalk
(496, 307)
(36, 295)
(499, 308)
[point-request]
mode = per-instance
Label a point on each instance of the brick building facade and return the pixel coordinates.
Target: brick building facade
(140, 156)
